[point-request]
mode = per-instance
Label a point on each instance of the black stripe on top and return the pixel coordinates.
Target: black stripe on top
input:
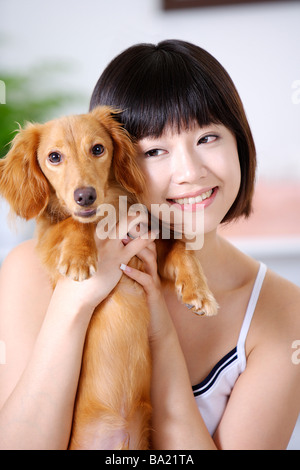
(207, 383)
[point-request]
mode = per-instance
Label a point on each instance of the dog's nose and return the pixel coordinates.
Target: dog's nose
(85, 196)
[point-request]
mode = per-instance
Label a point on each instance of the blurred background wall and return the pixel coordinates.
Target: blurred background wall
(60, 47)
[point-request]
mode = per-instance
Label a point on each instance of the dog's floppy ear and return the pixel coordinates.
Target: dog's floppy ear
(22, 182)
(126, 170)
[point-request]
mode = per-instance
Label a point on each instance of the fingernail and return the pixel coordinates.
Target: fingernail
(130, 236)
(124, 267)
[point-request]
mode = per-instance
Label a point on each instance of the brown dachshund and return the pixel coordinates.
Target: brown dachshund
(60, 173)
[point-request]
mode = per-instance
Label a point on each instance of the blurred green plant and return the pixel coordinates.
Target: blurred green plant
(34, 97)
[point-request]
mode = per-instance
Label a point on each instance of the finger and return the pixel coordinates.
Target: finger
(144, 279)
(149, 258)
(111, 238)
(140, 234)
(134, 247)
(150, 248)
(139, 243)
(132, 226)
(150, 235)
(126, 240)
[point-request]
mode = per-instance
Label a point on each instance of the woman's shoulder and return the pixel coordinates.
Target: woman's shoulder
(280, 295)
(277, 314)
(277, 320)
(23, 251)
(22, 270)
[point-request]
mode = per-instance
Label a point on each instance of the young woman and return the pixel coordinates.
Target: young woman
(224, 382)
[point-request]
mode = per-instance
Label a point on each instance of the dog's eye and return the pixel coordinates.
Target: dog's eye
(55, 158)
(98, 150)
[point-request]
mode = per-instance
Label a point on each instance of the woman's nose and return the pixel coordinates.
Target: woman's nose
(187, 167)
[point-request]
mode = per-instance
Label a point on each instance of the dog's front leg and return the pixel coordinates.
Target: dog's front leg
(182, 268)
(68, 248)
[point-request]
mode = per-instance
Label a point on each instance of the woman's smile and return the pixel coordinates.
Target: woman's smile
(202, 198)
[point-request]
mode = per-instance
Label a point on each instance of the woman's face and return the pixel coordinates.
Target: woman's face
(195, 170)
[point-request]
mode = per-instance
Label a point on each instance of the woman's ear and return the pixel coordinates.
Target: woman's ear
(126, 170)
(22, 182)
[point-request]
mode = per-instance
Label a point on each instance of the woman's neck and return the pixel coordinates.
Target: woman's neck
(225, 267)
(217, 257)
(211, 250)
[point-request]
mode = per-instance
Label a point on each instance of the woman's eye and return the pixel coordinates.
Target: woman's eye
(98, 150)
(55, 158)
(155, 153)
(207, 139)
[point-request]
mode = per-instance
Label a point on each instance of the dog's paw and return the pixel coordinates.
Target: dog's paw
(201, 301)
(77, 269)
(207, 306)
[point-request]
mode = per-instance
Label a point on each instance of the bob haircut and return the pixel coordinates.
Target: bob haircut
(176, 84)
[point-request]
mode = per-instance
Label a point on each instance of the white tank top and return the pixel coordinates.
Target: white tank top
(213, 392)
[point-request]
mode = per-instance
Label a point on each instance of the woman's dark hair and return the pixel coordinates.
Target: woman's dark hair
(177, 83)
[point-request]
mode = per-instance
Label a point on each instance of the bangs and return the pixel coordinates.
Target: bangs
(161, 88)
(164, 96)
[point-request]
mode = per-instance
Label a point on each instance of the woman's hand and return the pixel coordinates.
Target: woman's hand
(161, 323)
(112, 252)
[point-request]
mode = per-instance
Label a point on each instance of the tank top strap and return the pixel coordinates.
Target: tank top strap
(251, 308)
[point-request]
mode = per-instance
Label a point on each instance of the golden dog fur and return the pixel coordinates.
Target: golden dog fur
(112, 409)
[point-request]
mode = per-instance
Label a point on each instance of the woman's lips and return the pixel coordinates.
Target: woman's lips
(204, 199)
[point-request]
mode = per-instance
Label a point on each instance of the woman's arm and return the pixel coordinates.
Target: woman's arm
(176, 421)
(265, 402)
(44, 336)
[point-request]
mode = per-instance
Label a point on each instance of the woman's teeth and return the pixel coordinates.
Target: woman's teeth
(194, 200)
